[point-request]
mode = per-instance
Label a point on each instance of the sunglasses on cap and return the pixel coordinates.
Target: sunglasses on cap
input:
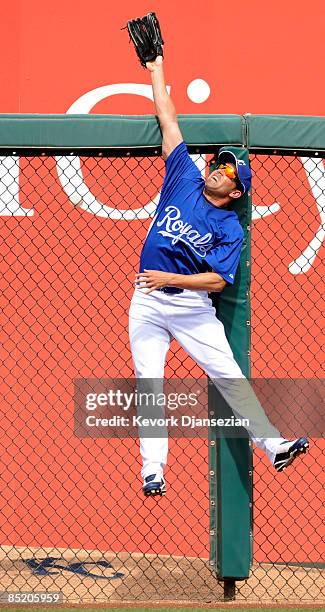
(231, 173)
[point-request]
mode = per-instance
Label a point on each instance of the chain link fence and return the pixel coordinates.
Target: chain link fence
(73, 518)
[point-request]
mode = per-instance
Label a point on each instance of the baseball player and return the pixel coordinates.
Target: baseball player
(193, 248)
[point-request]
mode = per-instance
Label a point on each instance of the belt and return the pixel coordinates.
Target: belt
(170, 290)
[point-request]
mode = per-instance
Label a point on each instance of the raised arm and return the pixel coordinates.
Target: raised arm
(165, 108)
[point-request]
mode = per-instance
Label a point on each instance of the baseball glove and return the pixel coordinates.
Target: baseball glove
(146, 36)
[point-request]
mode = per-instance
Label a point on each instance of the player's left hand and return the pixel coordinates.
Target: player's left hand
(153, 279)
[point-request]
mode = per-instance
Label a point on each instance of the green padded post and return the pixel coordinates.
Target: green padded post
(230, 459)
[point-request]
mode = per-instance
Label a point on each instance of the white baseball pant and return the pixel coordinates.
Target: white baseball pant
(190, 318)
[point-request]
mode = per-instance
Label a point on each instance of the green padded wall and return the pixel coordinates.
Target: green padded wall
(230, 459)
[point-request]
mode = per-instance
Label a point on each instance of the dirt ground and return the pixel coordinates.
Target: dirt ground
(151, 578)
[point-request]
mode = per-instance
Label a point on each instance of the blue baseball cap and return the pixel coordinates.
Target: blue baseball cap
(243, 170)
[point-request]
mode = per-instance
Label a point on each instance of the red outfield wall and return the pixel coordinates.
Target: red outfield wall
(54, 264)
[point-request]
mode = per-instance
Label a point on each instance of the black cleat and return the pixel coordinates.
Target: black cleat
(154, 486)
(288, 451)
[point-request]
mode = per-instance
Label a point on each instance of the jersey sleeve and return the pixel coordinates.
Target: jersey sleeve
(224, 258)
(179, 166)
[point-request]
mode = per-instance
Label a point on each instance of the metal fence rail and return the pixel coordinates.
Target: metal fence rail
(73, 519)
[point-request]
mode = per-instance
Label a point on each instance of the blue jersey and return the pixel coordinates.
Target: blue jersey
(189, 235)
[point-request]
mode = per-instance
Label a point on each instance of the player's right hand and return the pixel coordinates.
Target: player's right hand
(152, 66)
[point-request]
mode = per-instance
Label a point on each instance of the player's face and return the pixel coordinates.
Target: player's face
(219, 184)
